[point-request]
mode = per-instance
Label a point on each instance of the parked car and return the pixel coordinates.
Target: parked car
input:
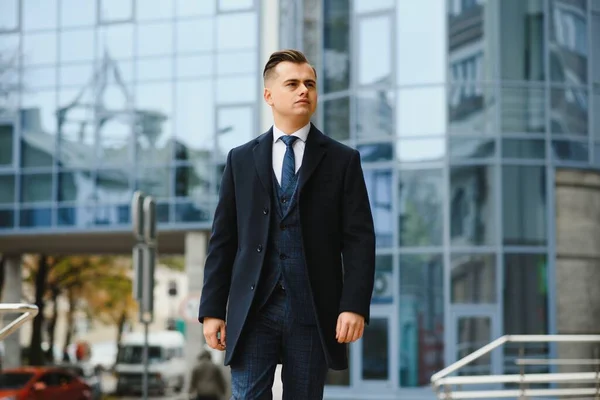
(42, 383)
(86, 372)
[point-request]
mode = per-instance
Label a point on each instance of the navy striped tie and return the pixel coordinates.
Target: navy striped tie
(289, 165)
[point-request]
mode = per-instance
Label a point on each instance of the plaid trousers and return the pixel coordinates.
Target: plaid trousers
(274, 337)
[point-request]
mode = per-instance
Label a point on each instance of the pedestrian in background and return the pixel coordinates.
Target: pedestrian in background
(207, 381)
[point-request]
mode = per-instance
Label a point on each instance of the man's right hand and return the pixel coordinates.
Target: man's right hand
(214, 333)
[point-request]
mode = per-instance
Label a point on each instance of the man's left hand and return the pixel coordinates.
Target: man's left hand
(350, 327)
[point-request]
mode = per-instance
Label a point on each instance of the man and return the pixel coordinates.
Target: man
(207, 381)
(293, 202)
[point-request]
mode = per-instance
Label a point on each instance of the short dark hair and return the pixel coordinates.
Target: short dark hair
(289, 55)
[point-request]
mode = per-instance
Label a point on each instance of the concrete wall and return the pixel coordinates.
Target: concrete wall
(577, 258)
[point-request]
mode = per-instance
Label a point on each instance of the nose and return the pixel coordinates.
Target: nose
(303, 88)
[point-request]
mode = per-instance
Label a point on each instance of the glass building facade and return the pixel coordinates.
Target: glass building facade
(99, 98)
(462, 110)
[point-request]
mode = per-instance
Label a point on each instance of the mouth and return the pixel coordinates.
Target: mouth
(303, 102)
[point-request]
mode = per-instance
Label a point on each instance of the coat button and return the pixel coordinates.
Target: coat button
(282, 256)
(283, 200)
(265, 211)
(251, 287)
(259, 248)
(282, 227)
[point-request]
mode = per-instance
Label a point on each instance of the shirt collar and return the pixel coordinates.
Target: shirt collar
(301, 133)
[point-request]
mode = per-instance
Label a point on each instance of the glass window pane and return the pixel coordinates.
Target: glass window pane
(595, 59)
(195, 130)
(379, 187)
(9, 79)
(153, 9)
(421, 111)
(238, 62)
(568, 45)
(472, 333)
(471, 27)
(38, 127)
(383, 290)
(114, 136)
(522, 46)
(375, 152)
(76, 130)
(569, 110)
(116, 10)
(235, 126)
(201, 66)
(39, 48)
(115, 41)
(7, 139)
(421, 42)
(375, 62)
(523, 109)
(336, 118)
(235, 5)
(77, 13)
(7, 189)
(35, 217)
(155, 182)
(524, 149)
(336, 45)
(375, 350)
(471, 109)
(570, 150)
(525, 294)
(114, 185)
(75, 186)
(77, 45)
(524, 214)
(154, 69)
(420, 218)
(194, 182)
(235, 90)
(9, 17)
(596, 113)
(374, 114)
(154, 39)
(421, 318)
(473, 279)
(473, 194)
(421, 150)
(191, 211)
(36, 187)
(237, 31)
(7, 219)
(39, 14)
(195, 36)
(365, 6)
(39, 77)
(187, 8)
(465, 148)
(154, 123)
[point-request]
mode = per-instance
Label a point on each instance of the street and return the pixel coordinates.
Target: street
(109, 383)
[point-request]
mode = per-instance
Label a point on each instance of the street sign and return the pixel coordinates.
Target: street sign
(137, 214)
(149, 220)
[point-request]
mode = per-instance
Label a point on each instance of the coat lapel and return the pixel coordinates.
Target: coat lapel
(313, 153)
(263, 160)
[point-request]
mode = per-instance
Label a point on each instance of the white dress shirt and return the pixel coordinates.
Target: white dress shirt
(279, 149)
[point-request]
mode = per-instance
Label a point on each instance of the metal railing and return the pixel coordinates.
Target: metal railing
(27, 311)
(524, 385)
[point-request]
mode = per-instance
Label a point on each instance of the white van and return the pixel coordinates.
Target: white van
(166, 367)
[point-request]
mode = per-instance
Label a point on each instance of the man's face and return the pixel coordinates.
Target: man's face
(292, 90)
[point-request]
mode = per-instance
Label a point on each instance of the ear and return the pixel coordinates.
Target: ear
(268, 97)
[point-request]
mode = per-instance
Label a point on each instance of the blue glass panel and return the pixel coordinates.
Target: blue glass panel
(7, 219)
(190, 212)
(36, 217)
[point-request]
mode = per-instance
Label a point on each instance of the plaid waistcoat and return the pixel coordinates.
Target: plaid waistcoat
(284, 261)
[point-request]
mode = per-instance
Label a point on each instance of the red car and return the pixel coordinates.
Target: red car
(42, 383)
